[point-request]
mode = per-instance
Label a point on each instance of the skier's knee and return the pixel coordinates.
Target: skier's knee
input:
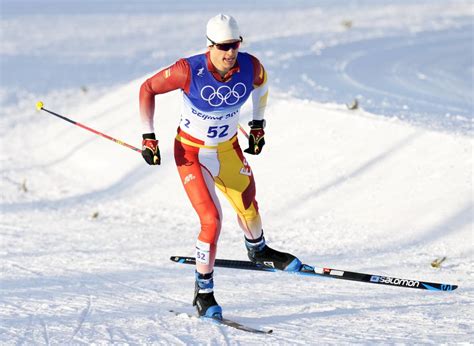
(210, 229)
(250, 215)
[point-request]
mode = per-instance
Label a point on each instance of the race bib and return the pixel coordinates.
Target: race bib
(202, 252)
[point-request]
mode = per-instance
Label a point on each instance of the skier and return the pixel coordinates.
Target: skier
(207, 153)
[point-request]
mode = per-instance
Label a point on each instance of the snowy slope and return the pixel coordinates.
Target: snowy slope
(87, 227)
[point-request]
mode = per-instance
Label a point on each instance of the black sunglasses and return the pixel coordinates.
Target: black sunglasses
(226, 46)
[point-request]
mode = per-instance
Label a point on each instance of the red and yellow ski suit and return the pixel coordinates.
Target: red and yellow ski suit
(207, 151)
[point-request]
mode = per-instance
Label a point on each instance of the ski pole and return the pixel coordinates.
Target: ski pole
(243, 131)
(40, 106)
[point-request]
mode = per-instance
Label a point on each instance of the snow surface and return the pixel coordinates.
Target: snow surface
(87, 228)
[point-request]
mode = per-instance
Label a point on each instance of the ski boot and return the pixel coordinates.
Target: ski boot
(204, 300)
(260, 253)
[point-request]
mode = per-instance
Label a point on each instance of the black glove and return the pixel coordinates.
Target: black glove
(256, 137)
(150, 150)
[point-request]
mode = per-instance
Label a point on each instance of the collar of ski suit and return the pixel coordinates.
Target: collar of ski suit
(216, 73)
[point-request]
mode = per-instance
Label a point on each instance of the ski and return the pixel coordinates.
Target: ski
(308, 270)
(228, 323)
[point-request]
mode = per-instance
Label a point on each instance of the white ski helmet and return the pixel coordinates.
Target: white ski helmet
(222, 28)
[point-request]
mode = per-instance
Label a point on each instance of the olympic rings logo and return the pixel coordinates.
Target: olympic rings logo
(223, 94)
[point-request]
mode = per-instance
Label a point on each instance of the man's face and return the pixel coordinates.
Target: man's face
(224, 54)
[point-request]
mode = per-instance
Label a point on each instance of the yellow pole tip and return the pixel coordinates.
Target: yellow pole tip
(39, 105)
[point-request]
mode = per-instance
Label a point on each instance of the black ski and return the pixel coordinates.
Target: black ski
(327, 272)
(229, 323)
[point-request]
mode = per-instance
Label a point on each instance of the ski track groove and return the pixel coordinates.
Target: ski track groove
(82, 318)
(173, 339)
(45, 332)
(30, 328)
(139, 289)
(14, 265)
(110, 331)
(115, 331)
(223, 333)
